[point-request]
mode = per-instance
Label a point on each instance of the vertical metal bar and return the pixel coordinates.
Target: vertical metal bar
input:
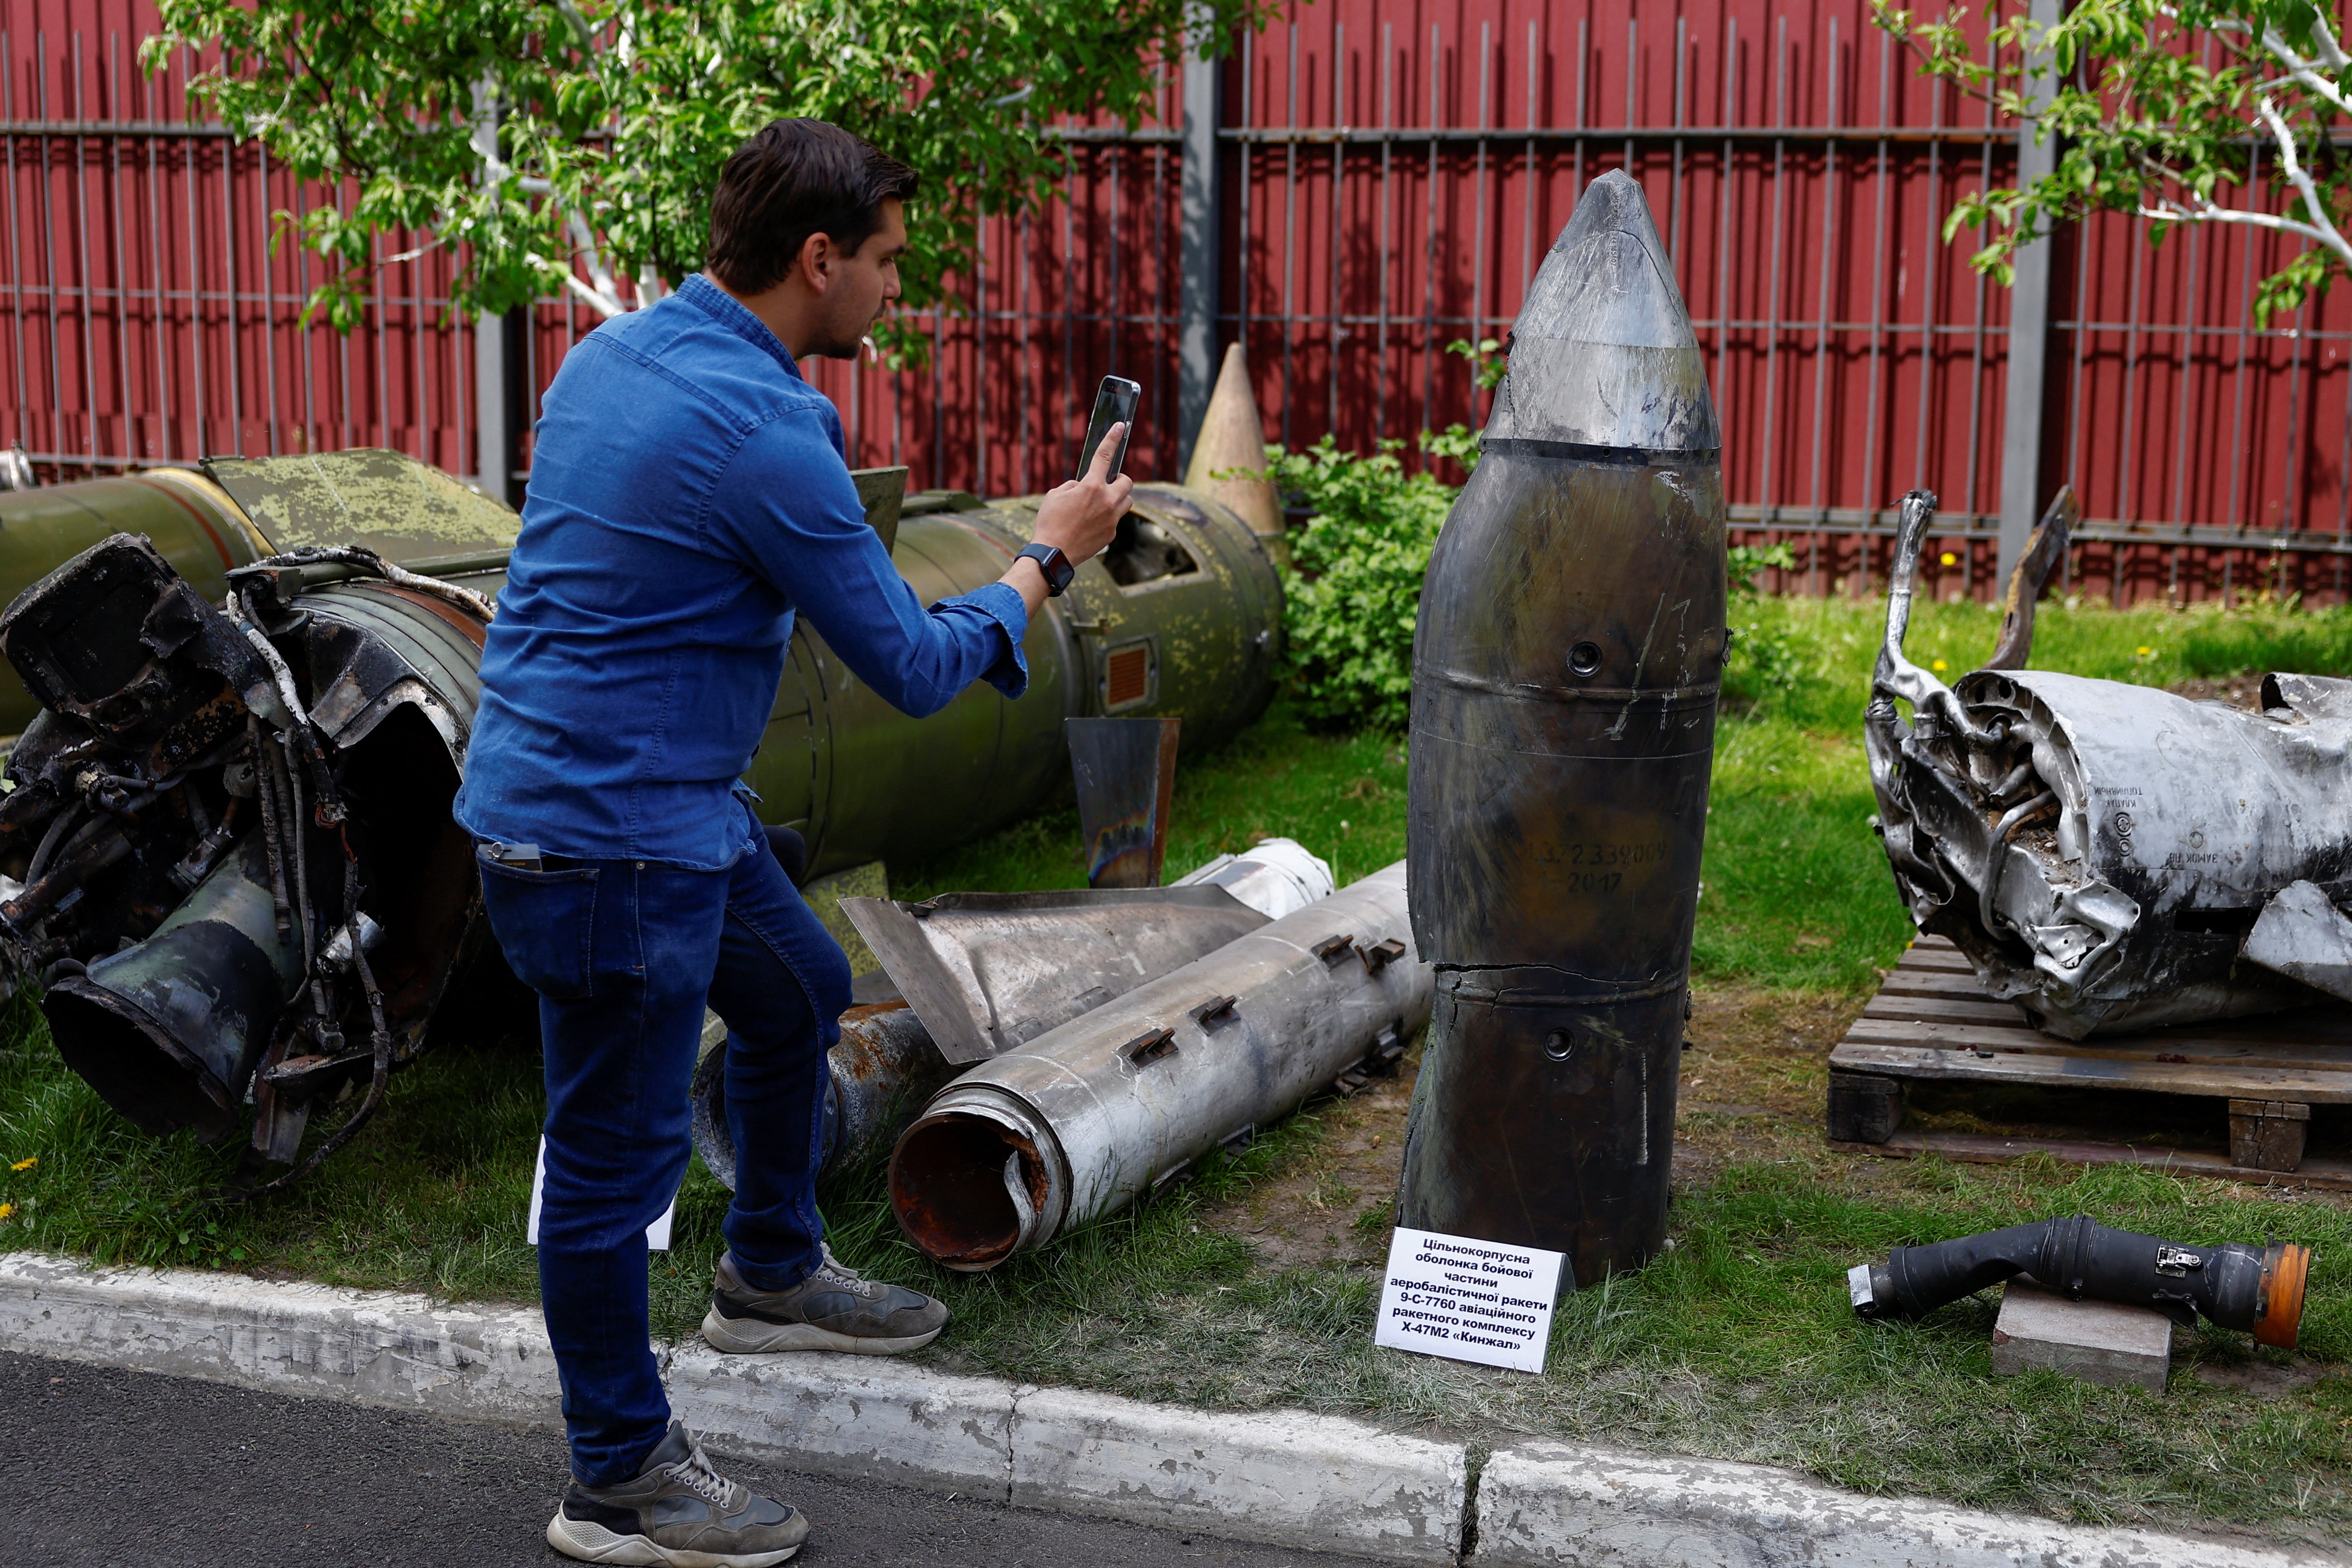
(2297, 458)
(1766, 497)
(49, 248)
(202, 443)
(2343, 495)
(1289, 229)
(417, 338)
(1337, 327)
(2245, 332)
(89, 282)
(1633, 85)
(1976, 402)
(979, 353)
(493, 410)
(155, 266)
(1429, 352)
(1203, 257)
(1478, 223)
(1674, 181)
(268, 300)
(2127, 455)
(1528, 168)
(1930, 254)
(2075, 400)
(309, 337)
(228, 253)
(493, 431)
(1727, 172)
(2180, 457)
(1820, 583)
(382, 354)
(15, 259)
(1870, 485)
(114, 108)
(1380, 340)
(939, 475)
(1024, 344)
(1583, 61)
(1245, 153)
(1071, 389)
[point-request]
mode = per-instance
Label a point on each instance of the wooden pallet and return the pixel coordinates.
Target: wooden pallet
(1932, 1022)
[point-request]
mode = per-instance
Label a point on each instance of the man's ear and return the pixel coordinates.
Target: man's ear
(814, 266)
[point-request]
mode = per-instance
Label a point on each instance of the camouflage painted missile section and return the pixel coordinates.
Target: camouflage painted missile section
(1566, 669)
(229, 846)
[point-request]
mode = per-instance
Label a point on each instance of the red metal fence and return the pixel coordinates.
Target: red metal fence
(1386, 178)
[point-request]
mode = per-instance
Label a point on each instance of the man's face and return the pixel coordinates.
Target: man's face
(860, 286)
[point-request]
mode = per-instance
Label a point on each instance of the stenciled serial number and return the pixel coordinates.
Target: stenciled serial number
(1600, 856)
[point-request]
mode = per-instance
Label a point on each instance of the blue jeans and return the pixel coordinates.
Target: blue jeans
(624, 955)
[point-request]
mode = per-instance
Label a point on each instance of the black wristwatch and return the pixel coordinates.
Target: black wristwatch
(1053, 564)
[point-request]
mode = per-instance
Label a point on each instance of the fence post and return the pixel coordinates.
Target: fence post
(1198, 204)
(494, 411)
(2029, 344)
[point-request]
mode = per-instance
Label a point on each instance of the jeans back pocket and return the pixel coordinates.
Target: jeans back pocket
(546, 925)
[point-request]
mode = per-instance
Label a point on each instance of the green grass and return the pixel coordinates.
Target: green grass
(1737, 1343)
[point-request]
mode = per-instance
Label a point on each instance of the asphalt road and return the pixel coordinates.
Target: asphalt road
(105, 1469)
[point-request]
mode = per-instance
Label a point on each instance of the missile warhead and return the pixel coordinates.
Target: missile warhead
(1566, 667)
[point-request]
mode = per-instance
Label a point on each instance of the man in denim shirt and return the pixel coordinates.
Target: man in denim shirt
(687, 498)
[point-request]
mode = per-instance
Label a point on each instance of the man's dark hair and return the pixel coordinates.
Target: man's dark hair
(793, 179)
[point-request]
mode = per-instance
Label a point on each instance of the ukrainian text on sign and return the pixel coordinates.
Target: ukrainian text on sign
(1457, 1297)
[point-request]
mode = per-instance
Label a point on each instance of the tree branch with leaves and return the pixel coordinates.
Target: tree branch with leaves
(2157, 108)
(564, 146)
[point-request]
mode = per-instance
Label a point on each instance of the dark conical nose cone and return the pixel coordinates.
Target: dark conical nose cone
(1602, 354)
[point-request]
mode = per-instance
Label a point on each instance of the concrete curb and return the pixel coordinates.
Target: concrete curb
(1552, 1504)
(1290, 1479)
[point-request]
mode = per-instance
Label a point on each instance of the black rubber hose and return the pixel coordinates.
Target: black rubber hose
(2232, 1284)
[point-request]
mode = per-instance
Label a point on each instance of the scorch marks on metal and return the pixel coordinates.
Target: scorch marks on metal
(2101, 851)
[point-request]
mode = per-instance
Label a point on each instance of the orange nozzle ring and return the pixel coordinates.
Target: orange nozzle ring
(2285, 1268)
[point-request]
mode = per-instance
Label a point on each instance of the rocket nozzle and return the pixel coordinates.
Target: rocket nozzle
(972, 1181)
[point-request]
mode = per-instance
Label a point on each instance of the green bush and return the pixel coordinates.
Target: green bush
(1355, 576)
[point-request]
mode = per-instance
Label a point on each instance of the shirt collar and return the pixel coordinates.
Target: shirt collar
(729, 312)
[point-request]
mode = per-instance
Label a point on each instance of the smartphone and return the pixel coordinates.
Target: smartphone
(1114, 404)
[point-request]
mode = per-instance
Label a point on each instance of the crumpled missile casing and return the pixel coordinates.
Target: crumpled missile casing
(1566, 669)
(2104, 853)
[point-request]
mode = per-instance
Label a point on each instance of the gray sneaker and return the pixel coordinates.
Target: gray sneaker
(834, 1308)
(679, 1513)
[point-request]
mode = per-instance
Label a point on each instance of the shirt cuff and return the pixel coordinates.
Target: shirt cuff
(1002, 604)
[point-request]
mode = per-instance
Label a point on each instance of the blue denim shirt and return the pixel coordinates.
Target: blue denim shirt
(687, 496)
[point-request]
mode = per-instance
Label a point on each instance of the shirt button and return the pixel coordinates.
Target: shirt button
(641, 865)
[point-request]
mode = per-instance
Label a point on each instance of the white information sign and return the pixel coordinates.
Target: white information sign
(656, 1234)
(1467, 1300)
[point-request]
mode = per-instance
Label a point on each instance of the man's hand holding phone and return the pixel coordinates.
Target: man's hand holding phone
(1079, 517)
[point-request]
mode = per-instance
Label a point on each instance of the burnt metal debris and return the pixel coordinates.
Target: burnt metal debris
(1566, 669)
(229, 839)
(1126, 1097)
(2113, 857)
(2234, 1285)
(1125, 770)
(994, 971)
(238, 875)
